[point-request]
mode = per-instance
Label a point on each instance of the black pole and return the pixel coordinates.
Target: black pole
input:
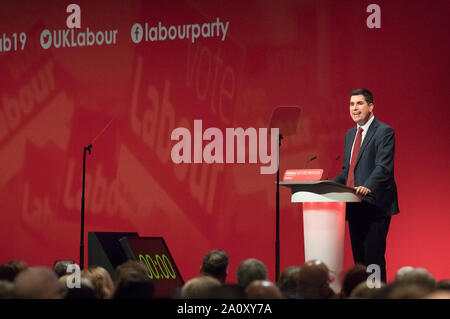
(277, 231)
(87, 148)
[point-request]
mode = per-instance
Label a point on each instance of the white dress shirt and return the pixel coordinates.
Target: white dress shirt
(365, 128)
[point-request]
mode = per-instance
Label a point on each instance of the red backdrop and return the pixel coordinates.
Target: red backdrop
(309, 53)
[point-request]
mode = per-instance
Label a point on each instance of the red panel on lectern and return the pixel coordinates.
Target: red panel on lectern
(302, 175)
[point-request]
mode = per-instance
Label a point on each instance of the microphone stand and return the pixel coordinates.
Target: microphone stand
(88, 149)
(277, 222)
(285, 119)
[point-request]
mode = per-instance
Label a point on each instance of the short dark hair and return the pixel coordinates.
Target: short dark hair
(215, 264)
(250, 270)
(443, 284)
(354, 276)
(368, 96)
(288, 281)
(10, 269)
(228, 291)
(135, 286)
(60, 267)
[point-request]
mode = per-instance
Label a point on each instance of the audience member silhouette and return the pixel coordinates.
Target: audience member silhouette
(85, 291)
(354, 276)
(420, 277)
(128, 268)
(288, 282)
(215, 264)
(6, 289)
(228, 291)
(263, 289)
(314, 281)
(100, 278)
(250, 270)
(402, 271)
(38, 283)
(199, 287)
(439, 294)
(443, 285)
(363, 291)
(60, 267)
(409, 284)
(134, 286)
(10, 269)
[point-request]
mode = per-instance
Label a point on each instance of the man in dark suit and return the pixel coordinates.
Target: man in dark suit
(368, 166)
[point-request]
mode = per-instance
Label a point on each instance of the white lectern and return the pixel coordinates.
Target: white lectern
(323, 217)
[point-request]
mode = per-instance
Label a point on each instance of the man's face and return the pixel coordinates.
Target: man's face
(360, 111)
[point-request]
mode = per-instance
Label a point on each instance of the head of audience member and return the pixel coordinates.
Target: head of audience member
(6, 289)
(215, 264)
(130, 268)
(60, 267)
(439, 294)
(418, 276)
(402, 271)
(263, 289)
(410, 283)
(250, 270)
(228, 291)
(84, 291)
(10, 269)
(363, 291)
(7, 273)
(443, 285)
(314, 281)
(401, 290)
(38, 283)
(288, 281)
(135, 286)
(199, 287)
(101, 280)
(17, 264)
(354, 276)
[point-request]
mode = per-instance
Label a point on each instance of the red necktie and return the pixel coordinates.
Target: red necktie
(356, 147)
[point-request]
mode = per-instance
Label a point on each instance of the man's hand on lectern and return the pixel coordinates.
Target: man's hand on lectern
(361, 190)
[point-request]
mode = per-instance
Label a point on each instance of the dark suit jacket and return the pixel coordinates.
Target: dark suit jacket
(374, 169)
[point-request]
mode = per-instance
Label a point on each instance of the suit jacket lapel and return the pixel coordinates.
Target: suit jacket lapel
(369, 135)
(349, 144)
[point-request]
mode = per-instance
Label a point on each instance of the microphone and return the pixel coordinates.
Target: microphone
(88, 148)
(310, 160)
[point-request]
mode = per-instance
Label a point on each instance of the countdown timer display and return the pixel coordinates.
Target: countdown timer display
(161, 268)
